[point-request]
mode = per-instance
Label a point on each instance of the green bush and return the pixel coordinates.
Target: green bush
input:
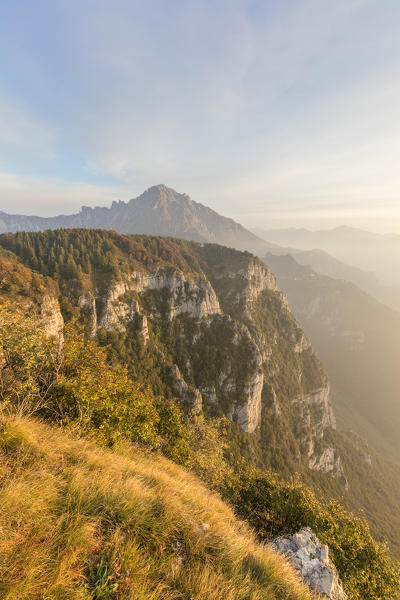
(74, 385)
(274, 507)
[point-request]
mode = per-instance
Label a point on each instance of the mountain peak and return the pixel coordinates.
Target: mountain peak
(160, 210)
(164, 192)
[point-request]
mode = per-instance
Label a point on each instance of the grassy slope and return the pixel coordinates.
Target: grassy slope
(76, 520)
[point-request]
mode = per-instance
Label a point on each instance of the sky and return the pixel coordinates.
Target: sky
(274, 113)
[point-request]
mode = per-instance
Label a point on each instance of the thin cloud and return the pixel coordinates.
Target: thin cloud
(243, 105)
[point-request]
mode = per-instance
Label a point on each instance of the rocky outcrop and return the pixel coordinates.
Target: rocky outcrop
(311, 559)
(258, 279)
(51, 316)
(186, 392)
(193, 296)
(255, 344)
(117, 311)
(316, 416)
(302, 345)
(316, 410)
(248, 413)
(247, 283)
(143, 297)
(143, 328)
(328, 461)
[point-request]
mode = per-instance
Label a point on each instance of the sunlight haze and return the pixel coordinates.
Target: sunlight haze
(276, 114)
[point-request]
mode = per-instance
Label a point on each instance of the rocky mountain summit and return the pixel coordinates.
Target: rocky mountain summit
(160, 210)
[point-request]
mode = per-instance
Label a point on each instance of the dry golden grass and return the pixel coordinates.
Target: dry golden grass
(80, 522)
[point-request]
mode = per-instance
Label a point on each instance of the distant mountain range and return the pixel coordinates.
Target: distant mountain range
(161, 210)
(358, 339)
(363, 249)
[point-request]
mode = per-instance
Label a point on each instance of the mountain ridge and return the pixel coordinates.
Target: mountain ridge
(363, 249)
(159, 210)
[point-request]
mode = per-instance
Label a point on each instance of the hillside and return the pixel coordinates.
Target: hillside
(80, 522)
(203, 323)
(65, 378)
(207, 326)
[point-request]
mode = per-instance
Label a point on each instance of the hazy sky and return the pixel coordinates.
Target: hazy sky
(273, 112)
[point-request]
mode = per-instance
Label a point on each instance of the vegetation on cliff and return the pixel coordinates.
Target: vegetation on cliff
(73, 386)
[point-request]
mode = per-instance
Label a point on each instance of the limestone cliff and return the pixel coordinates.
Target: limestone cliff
(206, 325)
(192, 296)
(248, 414)
(88, 303)
(241, 301)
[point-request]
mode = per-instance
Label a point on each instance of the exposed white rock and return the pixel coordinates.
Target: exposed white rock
(51, 316)
(302, 345)
(256, 277)
(223, 376)
(248, 413)
(311, 559)
(193, 296)
(116, 312)
(316, 413)
(259, 278)
(143, 328)
(328, 461)
(210, 394)
(275, 404)
(316, 410)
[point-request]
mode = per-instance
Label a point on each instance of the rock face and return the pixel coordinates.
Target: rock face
(302, 345)
(312, 561)
(51, 316)
(248, 415)
(192, 296)
(315, 411)
(205, 325)
(144, 299)
(256, 278)
(187, 392)
(328, 461)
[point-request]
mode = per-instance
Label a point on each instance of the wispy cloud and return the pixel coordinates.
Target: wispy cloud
(246, 105)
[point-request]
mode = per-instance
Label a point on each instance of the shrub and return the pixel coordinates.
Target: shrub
(274, 507)
(29, 362)
(75, 386)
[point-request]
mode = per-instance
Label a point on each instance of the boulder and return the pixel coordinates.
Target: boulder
(311, 560)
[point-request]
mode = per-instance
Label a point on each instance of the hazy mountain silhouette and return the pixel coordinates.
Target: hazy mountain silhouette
(160, 210)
